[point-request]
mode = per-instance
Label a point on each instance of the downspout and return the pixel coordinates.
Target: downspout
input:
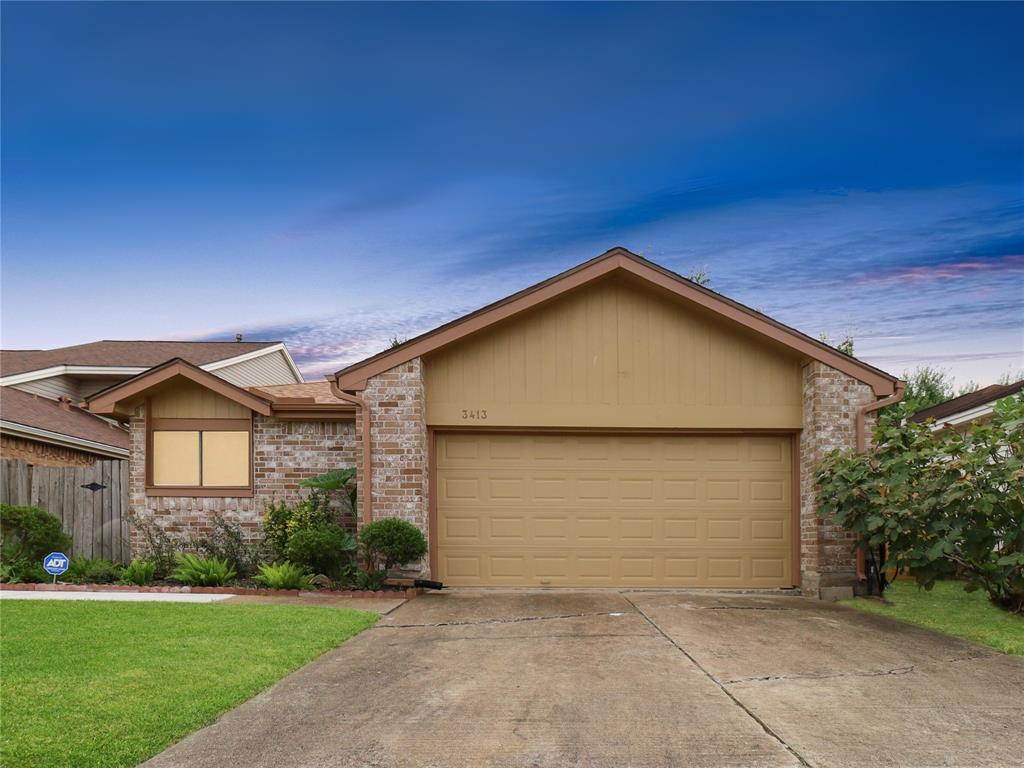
(364, 438)
(863, 411)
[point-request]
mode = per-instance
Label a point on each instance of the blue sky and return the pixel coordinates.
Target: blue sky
(336, 174)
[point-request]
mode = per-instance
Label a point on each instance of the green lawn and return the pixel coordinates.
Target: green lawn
(948, 608)
(87, 684)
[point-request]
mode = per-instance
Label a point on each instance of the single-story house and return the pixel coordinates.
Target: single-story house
(615, 425)
(960, 412)
(40, 389)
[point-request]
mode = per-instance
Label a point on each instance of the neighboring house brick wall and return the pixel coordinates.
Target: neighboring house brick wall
(44, 454)
(831, 402)
(284, 453)
(396, 402)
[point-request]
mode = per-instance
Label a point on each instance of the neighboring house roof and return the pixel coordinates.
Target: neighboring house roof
(354, 377)
(134, 354)
(970, 406)
(312, 400)
(38, 418)
(129, 357)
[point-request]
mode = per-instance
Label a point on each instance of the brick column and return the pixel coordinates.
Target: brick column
(831, 400)
(398, 428)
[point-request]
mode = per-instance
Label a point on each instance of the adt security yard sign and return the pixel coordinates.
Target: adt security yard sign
(55, 564)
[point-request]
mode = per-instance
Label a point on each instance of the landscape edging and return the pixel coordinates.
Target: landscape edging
(408, 592)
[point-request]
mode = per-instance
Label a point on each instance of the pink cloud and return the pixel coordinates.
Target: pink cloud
(954, 271)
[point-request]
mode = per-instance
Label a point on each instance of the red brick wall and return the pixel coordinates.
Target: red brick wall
(284, 452)
(396, 402)
(831, 401)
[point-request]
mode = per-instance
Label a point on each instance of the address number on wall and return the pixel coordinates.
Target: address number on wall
(478, 414)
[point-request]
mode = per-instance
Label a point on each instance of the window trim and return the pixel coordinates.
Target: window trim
(164, 424)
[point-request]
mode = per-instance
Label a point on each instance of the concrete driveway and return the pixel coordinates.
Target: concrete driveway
(630, 679)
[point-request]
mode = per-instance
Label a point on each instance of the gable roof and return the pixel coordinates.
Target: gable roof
(106, 401)
(354, 377)
(126, 354)
(40, 418)
(968, 402)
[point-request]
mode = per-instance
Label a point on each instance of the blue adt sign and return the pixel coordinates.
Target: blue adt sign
(55, 563)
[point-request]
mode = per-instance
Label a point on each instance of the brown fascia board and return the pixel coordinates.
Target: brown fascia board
(105, 402)
(354, 377)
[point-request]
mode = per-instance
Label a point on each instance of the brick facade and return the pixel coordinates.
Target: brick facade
(45, 455)
(284, 453)
(399, 444)
(831, 402)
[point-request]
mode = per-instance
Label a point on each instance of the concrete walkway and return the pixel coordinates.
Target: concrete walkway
(629, 679)
(114, 597)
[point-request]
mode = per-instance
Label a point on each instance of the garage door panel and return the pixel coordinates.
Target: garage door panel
(516, 510)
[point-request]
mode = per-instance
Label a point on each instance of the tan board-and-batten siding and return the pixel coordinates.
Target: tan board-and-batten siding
(615, 355)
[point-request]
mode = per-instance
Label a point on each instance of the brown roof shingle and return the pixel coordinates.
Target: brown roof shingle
(319, 391)
(39, 412)
(137, 354)
(967, 402)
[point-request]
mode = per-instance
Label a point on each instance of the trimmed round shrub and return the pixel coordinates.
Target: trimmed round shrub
(324, 548)
(392, 542)
(28, 534)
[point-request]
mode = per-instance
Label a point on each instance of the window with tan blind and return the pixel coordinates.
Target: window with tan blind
(199, 458)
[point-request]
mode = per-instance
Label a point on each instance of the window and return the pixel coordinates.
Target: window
(201, 456)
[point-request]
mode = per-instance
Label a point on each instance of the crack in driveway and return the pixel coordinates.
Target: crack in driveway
(764, 726)
(822, 676)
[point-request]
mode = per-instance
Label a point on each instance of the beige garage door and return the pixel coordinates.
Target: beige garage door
(607, 510)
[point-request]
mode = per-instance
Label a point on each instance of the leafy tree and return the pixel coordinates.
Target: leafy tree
(1011, 376)
(699, 275)
(926, 386)
(845, 346)
(938, 501)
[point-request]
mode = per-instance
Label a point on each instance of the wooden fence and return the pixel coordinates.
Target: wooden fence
(92, 502)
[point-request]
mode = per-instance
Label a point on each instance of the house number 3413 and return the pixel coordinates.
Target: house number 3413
(480, 414)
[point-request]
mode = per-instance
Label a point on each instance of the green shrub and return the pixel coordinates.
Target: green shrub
(202, 571)
(28, 534)
(139, 572)
(284, 576)
(341, 484)
(280, 520)
(25, 572)
(276, 515)
(326, 549)
(159, 548)
(371, 580)
(935, 500)
(390, 542)
(86, 570)
(227, 542)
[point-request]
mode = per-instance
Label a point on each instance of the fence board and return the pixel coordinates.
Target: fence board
(95, 520)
